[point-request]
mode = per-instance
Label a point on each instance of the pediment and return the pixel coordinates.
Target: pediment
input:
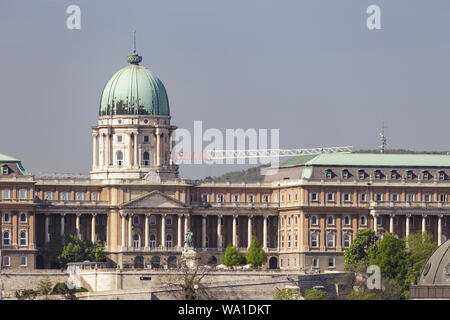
(154, 199)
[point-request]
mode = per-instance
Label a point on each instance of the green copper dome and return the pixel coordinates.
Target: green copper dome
(134, 89)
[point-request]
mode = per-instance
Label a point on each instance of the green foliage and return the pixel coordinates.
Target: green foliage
(60, 288)
(232, 257)
(287, 294)
(249, 175)
(363, 295)
(26, 294)
(44, 286)
(315, 294)
(357, 256)
(256, 256)
(62, 250)
(390, 255)
(420, 247)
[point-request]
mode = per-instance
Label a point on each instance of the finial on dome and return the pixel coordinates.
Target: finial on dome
(134, 58)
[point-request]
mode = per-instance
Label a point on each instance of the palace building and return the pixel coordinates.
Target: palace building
(135, 203)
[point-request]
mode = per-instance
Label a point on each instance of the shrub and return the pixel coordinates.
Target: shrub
(26, 294)
(232, 257)
(287, 294)
(60, 288)
(315, 294)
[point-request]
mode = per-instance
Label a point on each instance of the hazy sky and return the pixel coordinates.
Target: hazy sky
(310, 68)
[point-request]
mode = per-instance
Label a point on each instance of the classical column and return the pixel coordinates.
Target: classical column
(136, 161)
(108, 151)
(95, 150)
(186, 223)
(265, 233)
(180, 233)
(249, 231)
(391, 224)
(130, 150)
(158, 147)
(219, 232)
(163, 230)
(234, 232)
(123, 217)
(339, 233)
(408, 216)
(204, 232)
(130, 230)
(62, 224)
(47, 234)
(375, 224)
(93, 227)
(77, 225)
(146, 242)
(439, 230)
(424, 223)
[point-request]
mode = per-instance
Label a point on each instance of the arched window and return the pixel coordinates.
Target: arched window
(347, 240)
(23, 217)
(315, 262)
(330, 220)
(6, 238)
(152, 220)
(146, 158)
(136, 241)
(23, 238)
(169, 241)
(330, 242)
(363, 221)
(119, 158)
(153, 241)
(346, 220)
(314, 242)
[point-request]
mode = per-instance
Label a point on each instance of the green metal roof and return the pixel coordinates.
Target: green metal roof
(134, 89)
(5, 158)
(369, 160)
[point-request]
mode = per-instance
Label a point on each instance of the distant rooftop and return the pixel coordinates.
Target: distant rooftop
(369, 160)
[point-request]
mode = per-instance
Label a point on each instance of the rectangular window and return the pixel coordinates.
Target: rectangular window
(266, 198)
(146, 139)
(330, 262)
(363, 197)
(410, 197)
(379, 197)
(427, 197)
(23, 194)
(346, 197)
(23, 261)
(251, 198)
(6, 261)
(395, 197)
(6, 217)
(95, 196)
(330, 196)
(442, 197)
(314, 196)
(119, 138)
(6, 194)
(5, 170)
(236, 198)
(379, 221)
(295, 241)
(80, 196)
(48, 195)
(64, 196)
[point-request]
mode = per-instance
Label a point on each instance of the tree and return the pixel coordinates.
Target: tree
(256, 256)
(356, 256)
(420, 247)
(315, 294)
(232, 257)
(76, 250)
(44, 286)
(391, 256)
(287, 294)
(363, 295)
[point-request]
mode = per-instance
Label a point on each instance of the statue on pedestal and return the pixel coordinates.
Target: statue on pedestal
(189, 255)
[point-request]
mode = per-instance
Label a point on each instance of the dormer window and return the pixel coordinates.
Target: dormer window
(394, 175)
(377, 175)
(426, 175)
(362, 174)
(329, 174)
(442, 176)
(345, 174)
(5, 170)
(409, 175)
